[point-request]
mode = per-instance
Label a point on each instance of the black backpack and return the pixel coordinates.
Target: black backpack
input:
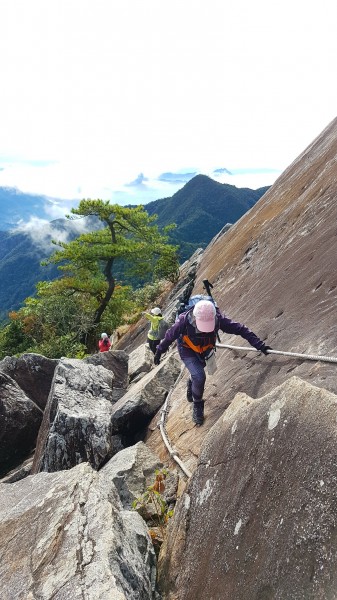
(192, 302)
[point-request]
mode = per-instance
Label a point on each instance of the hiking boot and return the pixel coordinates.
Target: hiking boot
(198, 412)
(189, 391)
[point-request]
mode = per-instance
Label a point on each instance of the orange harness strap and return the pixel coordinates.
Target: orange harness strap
(199, 349)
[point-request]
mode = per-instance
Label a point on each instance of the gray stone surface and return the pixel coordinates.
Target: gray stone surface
(33, 373)
(258, 518)
(143, 399)
(66, 536)
(20, 419)
(132, 470)
(115, 361)
(140, 362)
(77, 421)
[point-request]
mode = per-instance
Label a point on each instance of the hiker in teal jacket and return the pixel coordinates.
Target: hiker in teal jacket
(153, 336)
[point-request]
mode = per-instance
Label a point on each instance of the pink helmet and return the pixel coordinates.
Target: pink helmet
(204, 314)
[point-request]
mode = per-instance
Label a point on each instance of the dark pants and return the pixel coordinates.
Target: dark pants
(153, 344)
(196, 366)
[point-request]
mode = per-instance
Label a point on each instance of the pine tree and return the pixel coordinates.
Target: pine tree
(128, 236)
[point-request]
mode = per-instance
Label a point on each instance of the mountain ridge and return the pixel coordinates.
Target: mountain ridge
(200, 210)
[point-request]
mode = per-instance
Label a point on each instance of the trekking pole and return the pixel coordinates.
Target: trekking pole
(207, 285)
(315, 357)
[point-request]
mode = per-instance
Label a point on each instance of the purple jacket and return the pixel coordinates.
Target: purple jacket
(186, 326)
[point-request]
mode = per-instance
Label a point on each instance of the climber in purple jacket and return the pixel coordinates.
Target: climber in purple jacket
(196, 331)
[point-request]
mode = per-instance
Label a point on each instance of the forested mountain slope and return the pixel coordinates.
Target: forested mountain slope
(20, 269)
(200, 210)
(16, 206)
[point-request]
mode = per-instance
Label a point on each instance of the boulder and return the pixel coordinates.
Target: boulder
(77, 421)
(133, 470)
(20, 419)
(117, 362)
(140, 362)
(66, 536)
(33, 373)
(133, 412)
(19, 472)
(258, 518)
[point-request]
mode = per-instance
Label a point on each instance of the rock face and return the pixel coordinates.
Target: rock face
(20, 471)
(117, 362)
(132, 471)
(274, 270)
(24, 387)
(77, 421)
(67, 536)
(258, 519)
(83, 422)
(33, 373)
(20, 419)
(135, 409)
(140, 362)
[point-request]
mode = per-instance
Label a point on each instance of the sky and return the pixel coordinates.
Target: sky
(126, 100)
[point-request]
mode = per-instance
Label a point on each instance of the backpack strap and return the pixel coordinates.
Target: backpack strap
(197, 348)
(189, 327)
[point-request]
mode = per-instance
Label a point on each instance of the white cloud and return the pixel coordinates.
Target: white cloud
(42, 232)
(107, 90)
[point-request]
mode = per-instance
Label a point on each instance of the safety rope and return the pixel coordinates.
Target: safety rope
(166, 406)
(164, 411)
(316, 357)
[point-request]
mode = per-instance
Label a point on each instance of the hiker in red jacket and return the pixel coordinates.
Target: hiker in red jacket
(104, 343)
(196, 331)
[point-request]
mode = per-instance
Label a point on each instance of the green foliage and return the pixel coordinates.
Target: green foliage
(67, 315)
(128, 234)
(48, 324)
(14, 340)
(53, 322)
(120, 310)
(167, 267)
(147, 294)
(57, 347)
